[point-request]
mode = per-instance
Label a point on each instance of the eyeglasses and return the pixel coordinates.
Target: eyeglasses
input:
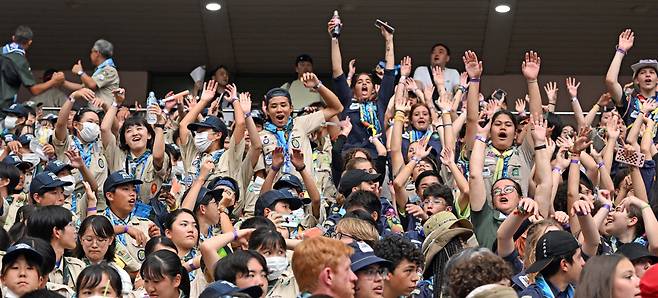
(435, 201)
(371, 273)
(90, 240)
(339, 235)
(505, 190)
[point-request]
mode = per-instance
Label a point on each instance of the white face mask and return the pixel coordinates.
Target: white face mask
(31, 158)
(90, 132)
(178, 169)
(68, 189)
(10, 122)
(276, 265)
(201, 141)
(257, 184)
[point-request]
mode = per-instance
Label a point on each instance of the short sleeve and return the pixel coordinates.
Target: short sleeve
(310, 123)
(106, 77)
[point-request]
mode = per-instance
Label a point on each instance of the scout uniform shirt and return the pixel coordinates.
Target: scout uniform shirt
(107, 79)
(514, 163)
(141, 167)
(227, 161)
(127, 251)
(94, 160)
(297, 138)
(322, 167)
(66, 271)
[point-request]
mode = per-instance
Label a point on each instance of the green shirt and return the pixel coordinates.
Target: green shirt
(8, 91)
(486, 223)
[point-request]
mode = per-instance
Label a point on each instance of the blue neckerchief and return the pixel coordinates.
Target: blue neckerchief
(215, 156)
(368, 116)
(107, 62)
(13, 48)
(85, 151)
(546, 289)
(74, 203)
(203, 237)
(282, 135)
(116, 221)
(133, 163)
(190, 255)
(416, 135)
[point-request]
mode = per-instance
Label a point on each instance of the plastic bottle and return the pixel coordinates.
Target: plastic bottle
(151, 118)
(336, 31)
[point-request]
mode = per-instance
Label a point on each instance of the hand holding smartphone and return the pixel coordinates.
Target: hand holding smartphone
(379, 23)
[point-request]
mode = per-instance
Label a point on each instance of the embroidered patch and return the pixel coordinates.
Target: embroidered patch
(295, 143)
(515, 172)
(101, 163)
(266, 140)
(101, 77)
(141, 255)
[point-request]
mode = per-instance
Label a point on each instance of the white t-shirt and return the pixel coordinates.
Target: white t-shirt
(450, 75)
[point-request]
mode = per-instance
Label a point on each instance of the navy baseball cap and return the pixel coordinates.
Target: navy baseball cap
(352, 178)
(21, 249)
(222, 288)
(46, 180)
(289, 181)
(17, 109)
(213, 122)
(364, 256)
(267, 199)
(57, 166)
(25, 139)
(304, 58)
(117, 178)
(203, 192)
(14, 160)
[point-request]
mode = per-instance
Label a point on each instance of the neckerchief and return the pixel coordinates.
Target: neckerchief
(84, 150)
(416, 135)
(107, 62)
(215, 156)
(13, 48)
(203, 237)
(116, 221)
(282, 135)
(74, 203)
(133, 163)
(546, 289)
(368, 116)
(502, 161)
(190, 255)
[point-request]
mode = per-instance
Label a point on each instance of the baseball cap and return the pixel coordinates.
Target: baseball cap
(267, 199)
(46, 180)
(213, 122)
(648, 283)
(21, 249)
(290, 181)
(364, 256)
(222, 288)
(352, 178)
(57, 166)
(117, 178)
(17, 109)
(644, 63)
(49, 117)
(25, 139)
(303, 58)
(14, 160)
(635, 251)
(553, 246)
(33, 104)
(201, 195)
(224, 181)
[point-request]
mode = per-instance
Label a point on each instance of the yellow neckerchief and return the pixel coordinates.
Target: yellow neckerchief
(502, 160)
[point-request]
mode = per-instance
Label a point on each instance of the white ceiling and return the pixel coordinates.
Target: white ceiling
(264, 37)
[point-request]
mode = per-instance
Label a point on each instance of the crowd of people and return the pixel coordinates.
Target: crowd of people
(383, 183)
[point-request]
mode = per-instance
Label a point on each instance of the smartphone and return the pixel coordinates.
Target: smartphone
(379, 23)
(164, 188)
(291, 221)
(499, 94)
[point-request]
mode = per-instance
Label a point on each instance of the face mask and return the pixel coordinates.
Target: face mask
(276, 265)
(257, 184)
(201, 141)
(10, 122)
(89, 132)
(31, 158)
(177, 169)
(68, 189)
(26, 185)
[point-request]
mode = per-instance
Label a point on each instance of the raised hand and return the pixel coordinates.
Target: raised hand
(483, 130)
(245, 101)
(352, 68)
(411, 84)
(428, 91)
(626, 39)
(447, 156)
(77, 68)
(191, 101)
(422, 150)
(401, 100)
(612, 127)
(58, 77)
(527, 207)
(206, 168)
(232, 91)
(75, 158)
(387, 35)
(209, 90)
(437, 75)
(331, 25)
(582, 141)
(538, 128)
(472, 65)
(519, 106)
(551, 91)
(84, 93)
(345, 126)
(405, 66)
(572, 87)
(277, 157)
(214, 108)
(445, 101)
(310, 80)
(297, 158)
(530, 66)
(604, 100)
(561, 159)
(463, 79)
(582, 207)
(649, 105)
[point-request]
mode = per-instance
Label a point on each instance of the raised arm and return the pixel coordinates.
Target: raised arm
(238, 114)
(445, 104)
(336, 59)
(334, 107)
(505, 233)
(624, 44)
(255, 146)
(297, 159)
(107, 135)
(56, 80)
(649, 218)
(474, 70)
(572, 87)
(582, 209)
(389, 54)
(402, 107)
(400, 181)
(573, 182)
(86, 79)
(542, 165)
(210, 247)
(61, 126)
(158, 141)
(448, 159)
(551, 92)
(190, 199)
(530, 68)
(207, 95)
(478, 193)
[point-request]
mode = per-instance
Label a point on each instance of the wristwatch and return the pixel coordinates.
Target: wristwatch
(80, 73)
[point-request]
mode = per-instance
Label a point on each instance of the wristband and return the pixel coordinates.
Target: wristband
(416, 159)
(607, 206)
(447, 124)
(447, 111)
(90, 209)
(557, 170)
(462, 88)
(575, 161)
(80, 73)
(275, 168)
(532, 81)
(232, 99)
(574, 99)
(474, 80)
(247, 114)
(115, 104)
(540, 147)
(235, 235)
(349, 79)
(620, 50)
(645, 206)
(481, 139)
(125, 229)
(300, 169)
(190, 263)
(600, 165)
(550, 103)
(71, 98)
(316, 87)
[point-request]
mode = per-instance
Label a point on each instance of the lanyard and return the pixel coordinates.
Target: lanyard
(85, 150)
(368, 116)
(417, 135)
(215, 156)
(107, 62)
(132, 164)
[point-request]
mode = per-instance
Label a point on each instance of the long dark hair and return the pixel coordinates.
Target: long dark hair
(91, 277)
(165, 263)
(102, 227)
(596, 279)
(438, 265)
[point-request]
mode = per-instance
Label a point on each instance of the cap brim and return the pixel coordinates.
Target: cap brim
(539, 265)
(59, 183)
(23, 165)
(197, 125)
(29, 253)
(128, 181)
(282, 183)
(253, 291)
(294, 203)
(370, 260)
(60, 168)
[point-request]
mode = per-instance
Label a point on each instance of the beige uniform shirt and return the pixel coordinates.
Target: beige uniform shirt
(127, 252)
(97, 166)
(249, 189)
(61, 289)
(322, 167)
(106, 81)
(298, 139)
(286, 285)
(228, 164)
(53, 97)
(9, 211)
(145, 171)
(300, 95)
(519, 167)
(67, 271)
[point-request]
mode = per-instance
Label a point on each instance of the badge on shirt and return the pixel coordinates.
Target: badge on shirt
(101, 163)
(268, 159)
(141, 255)
(354, 106)
(295, 143)
(266, 140)
(515, 172)
(486, 172)
(101, 77)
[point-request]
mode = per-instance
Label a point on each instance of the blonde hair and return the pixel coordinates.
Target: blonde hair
(358, 228)
(312, 256)
(535, 231)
